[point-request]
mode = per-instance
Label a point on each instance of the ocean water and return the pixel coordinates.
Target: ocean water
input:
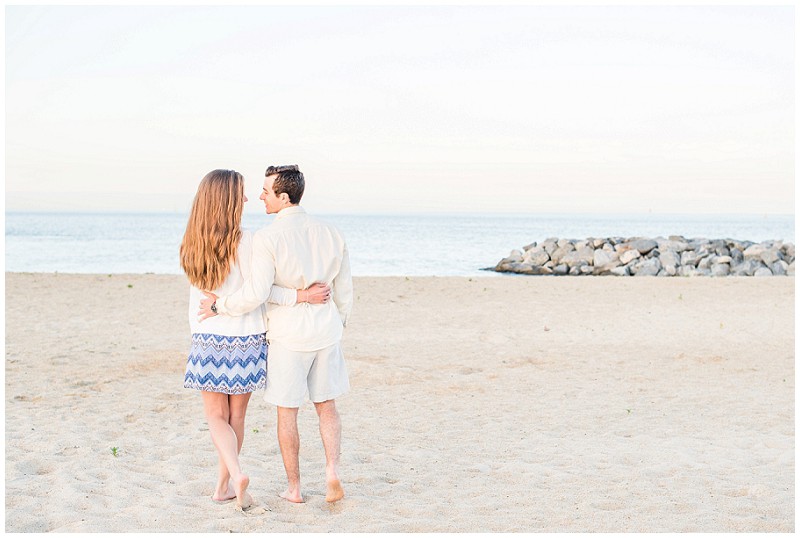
(380, 245)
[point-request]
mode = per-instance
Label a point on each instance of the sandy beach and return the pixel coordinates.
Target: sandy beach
(498, 403)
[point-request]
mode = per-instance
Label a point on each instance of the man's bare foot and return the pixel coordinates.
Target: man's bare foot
(243, 499)
(335, 491)
(292, 495)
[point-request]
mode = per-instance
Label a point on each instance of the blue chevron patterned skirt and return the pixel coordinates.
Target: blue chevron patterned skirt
(229, 364)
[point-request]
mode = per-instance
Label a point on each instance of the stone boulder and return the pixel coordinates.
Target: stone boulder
(560, 252)
(648, 267)
(770, 256)
(747, 268)
(669, 258)
(620, 271)
(676, 245)
(643, 245)
(763, 271)
(603, 257)
(629, 255)
(550, 245)
(779, 268)
(689, 257)
(720, 269)
(688, 270)
(536, 256)
(754, 252)
(561, 269)
(582, 256)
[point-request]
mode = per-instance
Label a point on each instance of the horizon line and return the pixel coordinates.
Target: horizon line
(419, 213)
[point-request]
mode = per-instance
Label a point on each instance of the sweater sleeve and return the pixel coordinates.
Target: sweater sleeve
(343, 288)
(257, 285)
(282, 296)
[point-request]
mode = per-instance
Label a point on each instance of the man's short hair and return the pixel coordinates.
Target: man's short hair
(289, 180)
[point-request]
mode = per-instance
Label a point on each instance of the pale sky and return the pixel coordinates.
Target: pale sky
(523, 109)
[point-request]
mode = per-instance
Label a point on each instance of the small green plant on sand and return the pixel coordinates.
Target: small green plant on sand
(114, 451)
(255, 430)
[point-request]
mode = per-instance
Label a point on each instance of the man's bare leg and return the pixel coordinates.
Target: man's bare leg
(330, 429)
(289, 441)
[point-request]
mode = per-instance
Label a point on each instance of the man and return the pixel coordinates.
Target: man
(305, 355)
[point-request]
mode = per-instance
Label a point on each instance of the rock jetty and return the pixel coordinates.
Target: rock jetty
(640, 256)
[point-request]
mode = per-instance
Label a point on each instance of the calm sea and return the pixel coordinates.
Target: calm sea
(380, 245)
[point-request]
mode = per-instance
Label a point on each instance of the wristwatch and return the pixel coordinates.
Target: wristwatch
(214, 307)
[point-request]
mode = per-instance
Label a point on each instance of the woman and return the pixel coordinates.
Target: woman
(228, 355)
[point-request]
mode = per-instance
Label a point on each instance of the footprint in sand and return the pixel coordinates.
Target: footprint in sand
(758, 490)
(35, 468)
(741, 492)
(253, 510)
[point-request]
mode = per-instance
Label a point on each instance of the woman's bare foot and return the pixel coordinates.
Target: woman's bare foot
(225, 496)
(247, 502)
(292, 495)
(335, 491)
(243, 499)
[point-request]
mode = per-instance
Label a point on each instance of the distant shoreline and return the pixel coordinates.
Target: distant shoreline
(378, 245)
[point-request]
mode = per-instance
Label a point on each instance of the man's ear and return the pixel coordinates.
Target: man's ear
(283, 197)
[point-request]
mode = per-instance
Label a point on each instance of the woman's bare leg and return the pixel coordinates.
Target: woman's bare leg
(237, 408)
(217, 409)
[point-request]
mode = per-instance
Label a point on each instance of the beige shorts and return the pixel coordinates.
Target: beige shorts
(292, 375)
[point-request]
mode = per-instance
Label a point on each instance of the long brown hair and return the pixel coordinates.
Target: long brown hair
(214, 229)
